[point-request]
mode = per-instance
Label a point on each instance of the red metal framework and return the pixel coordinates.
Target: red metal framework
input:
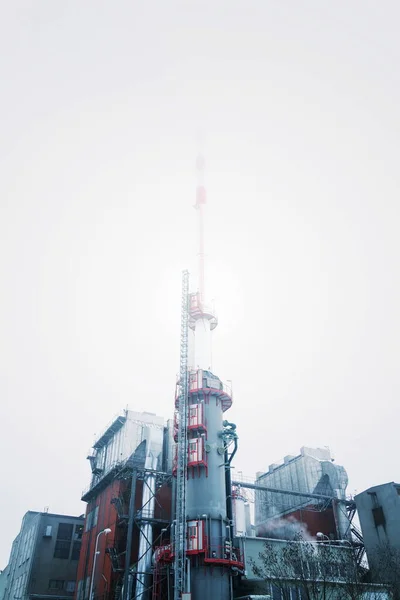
(196, 420)
(197, 456)
(198, 388)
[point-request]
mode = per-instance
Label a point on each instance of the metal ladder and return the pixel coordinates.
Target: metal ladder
(182, 447)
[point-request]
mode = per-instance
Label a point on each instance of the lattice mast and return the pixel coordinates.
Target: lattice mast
(182, 447)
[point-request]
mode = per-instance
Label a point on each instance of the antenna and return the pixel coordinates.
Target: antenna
(200, 202)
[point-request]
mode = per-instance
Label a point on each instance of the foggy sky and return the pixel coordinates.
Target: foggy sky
(101, 103)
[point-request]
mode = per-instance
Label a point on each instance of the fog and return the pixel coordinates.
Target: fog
(101, 105)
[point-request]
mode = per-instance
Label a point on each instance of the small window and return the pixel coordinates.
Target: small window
(56, 584)
(78, 532)
(70, 587)
(398, 490)
(95, 515)
(192, 531)
(276, 592)
(379, 517)
(61, 549)
(76, 550)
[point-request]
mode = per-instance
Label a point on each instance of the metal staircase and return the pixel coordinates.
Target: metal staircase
(182, 447)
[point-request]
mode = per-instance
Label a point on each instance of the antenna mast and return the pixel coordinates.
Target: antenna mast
(200, 202)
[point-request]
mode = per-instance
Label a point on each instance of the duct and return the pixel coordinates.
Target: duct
(154, 448)
(339, 480)
(229, 433)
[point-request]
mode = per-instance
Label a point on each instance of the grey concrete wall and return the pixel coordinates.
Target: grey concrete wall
(45, 566)
(379, 513)
(32, 563)
(3, 582)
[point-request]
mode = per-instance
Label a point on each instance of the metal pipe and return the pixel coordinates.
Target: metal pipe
(96, 552)
(146, 530)
(130, 532)
(263, 488)
(188, 576)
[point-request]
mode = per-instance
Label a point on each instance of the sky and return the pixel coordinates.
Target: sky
(101, 106)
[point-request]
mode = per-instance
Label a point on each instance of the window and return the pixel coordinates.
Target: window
(276, 592)
(65, 531)
(379, 517)
(95, 515)
(192, 531)
(91, 518)
(88, 524)
(76, 550)
(56, 584)
(61, 549)
(78, 532)
(70, 586)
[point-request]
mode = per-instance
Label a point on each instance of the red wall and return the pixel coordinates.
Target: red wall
(106, 579)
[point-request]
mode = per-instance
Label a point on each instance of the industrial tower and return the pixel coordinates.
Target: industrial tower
(202, 550)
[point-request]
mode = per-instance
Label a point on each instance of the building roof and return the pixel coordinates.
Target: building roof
(110, 431)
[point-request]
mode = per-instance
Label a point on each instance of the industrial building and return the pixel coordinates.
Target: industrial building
(166, 517)
(378, 510)
(129, 495)
(318, 502)
(44, 558)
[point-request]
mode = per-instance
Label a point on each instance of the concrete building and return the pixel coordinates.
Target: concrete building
(44, 557)
(130, 494)
(312, 473)
(3, 582)
(298, 570)
(379, 514)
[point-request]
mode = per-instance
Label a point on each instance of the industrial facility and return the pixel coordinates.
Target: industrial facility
(166, 517)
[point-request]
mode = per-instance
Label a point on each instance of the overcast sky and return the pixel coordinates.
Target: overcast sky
(101, 102)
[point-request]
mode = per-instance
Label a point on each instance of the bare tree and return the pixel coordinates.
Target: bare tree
(385, 568)
(317, 571)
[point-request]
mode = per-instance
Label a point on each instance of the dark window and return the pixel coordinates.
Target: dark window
(70, 587)
(65, 531)
(76, 549)
(294, 593)
(398, 490)
(276, 592)
(61, 549)
(379, 517)
(78, 532)
(56, 584)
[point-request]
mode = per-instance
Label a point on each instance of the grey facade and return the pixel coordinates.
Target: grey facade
(44, 557)
(3, 581)
(312, 471)
(379, 513)
(338, 569)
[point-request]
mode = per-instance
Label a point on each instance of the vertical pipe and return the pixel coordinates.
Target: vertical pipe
(188, 576)
(129, 534)
(228, 484)
(146, 529)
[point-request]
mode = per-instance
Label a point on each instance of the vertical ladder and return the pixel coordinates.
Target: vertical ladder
(182, 446)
